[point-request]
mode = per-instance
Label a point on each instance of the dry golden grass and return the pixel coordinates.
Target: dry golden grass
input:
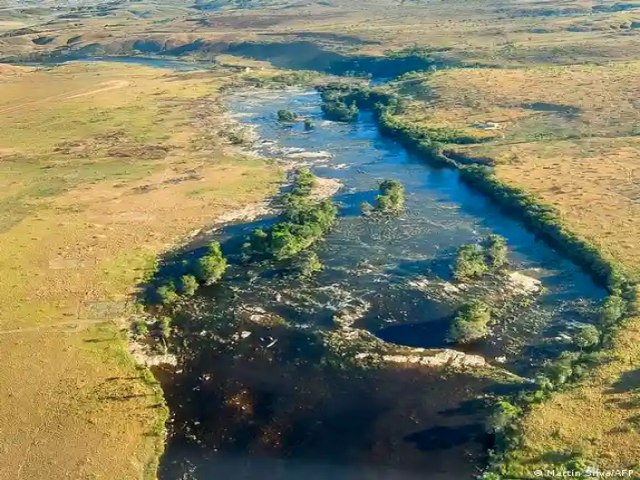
(567, 134)
(530, 104)
(598, 420)
(88, 199)
(595, 184)
(578, 150)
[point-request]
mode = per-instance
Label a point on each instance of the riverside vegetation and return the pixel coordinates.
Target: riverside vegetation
(303, 222)
(571, 367)
(391, 199)
(182, 278)
(544, 47)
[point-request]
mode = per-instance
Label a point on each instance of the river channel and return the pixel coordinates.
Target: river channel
(257, 393)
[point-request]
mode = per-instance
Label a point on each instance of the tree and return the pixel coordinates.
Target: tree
(470, 262)
(166, 294)
(308, 124)
(470, 323)
(211, 266)
(587, 336)
(496, 251)
(164, 325)
(140, 328)
(308, 264)
(287, 116)
(391, 197)
(339, 111)
(612, 310)
(188, 285)
(502, 417)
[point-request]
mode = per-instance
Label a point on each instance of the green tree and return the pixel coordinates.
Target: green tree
(470, 323)
(470, 262)
(210, 267)
(166, 294)
(496, 251)
(502, 418)
(287, 116)
(308, 264)
(308, 124)
(339, 111)
(587, 336)
(612, 310)
(164, 326)
(188, 285)
(140, 328)
(391, 197)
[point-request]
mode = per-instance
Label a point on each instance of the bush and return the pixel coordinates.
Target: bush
(503, 417)
(140, 328)
(166, 294)
(612, 310)
(210, 267)
(308, 124)
(496, 251)
(587, 336)
(308, 264)
(164, 326)
(471, 323)
(391, 197)
(188, 285)
(470, 262)
(287, 116)
(561, 371)
(339, 111)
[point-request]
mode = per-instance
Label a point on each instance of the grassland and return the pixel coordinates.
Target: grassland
(97, 166)
(107, 165)
(569, 135)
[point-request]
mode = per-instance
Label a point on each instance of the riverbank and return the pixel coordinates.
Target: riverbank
(546, 437)
(369, 266)
(104, 167)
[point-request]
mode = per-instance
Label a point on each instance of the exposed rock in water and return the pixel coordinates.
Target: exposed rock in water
(522, 284)
(346, 317)
(143, 355)
(437, 358)
(362, 348)
(309, 155)
(260, 316)
(325, 188)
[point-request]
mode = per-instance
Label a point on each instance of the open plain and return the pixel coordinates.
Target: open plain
(104, 166)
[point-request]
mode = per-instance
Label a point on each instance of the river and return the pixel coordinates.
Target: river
(258, 394)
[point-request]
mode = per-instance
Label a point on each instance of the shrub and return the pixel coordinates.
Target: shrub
(502, 417)
(470, 262)
(587, 336)
(303, 223)
(308, 264)
(561, 371)
(496, 251)
(470, 323)
(210, 267)
(339, 111)
(188, 285)
(304, 183)
(140, 328)
(166, 294)
(287, 116)
(612, 310)
(164, 326)
(308, 124)
(391, 197)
